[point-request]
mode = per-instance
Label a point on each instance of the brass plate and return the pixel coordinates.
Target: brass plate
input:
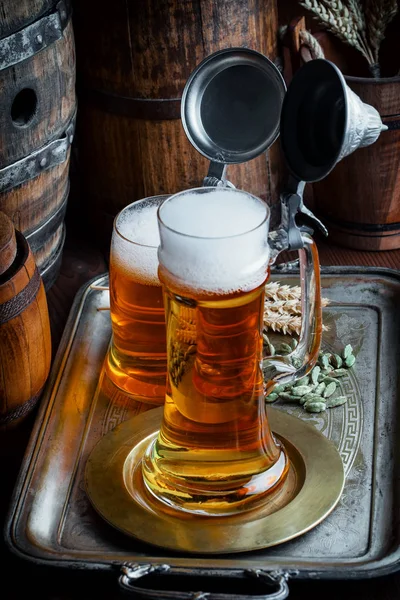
(310, 493)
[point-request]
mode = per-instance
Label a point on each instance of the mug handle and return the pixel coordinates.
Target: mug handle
(293, 366)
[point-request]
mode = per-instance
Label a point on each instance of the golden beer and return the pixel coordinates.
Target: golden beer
(215, 453)
(137, 360)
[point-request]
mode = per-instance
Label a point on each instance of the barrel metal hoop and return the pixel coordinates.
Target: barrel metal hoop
(152, 109)
(362, 227)
(392, 125)
(35, 37)
(20, 411)
(35, 163)
(13, 307)
(39, 236)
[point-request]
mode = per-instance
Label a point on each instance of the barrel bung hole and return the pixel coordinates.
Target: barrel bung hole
(23, 107)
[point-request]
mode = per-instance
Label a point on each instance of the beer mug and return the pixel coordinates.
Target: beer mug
(215, 453)
(137, 361)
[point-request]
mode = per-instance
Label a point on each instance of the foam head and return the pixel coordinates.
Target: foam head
(135, 240)
(215, 239)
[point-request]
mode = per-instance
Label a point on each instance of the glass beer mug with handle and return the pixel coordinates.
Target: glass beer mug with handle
(215, 453)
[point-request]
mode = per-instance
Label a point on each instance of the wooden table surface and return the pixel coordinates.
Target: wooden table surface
(18, 579)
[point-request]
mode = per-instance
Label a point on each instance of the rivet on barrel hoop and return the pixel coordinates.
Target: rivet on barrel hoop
(25, 43)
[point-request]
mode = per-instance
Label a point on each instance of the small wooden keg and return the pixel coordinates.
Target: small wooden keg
(37, 93)
(133, 62)
(25, 343)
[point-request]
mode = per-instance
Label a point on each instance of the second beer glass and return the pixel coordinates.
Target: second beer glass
(137, 360)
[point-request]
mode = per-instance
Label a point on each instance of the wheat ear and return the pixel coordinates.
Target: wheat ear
(276, 292)
(282, 308)
(346, 21)
(379, 13)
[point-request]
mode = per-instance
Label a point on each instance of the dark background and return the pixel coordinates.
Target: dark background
(83, 258)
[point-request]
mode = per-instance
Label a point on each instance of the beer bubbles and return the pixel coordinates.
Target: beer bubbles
(137, 358)
(134, 248)
(217, 243)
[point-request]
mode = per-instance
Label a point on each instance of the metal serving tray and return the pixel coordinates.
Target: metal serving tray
(51, 521)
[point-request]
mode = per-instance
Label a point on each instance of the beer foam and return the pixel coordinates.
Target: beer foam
(215, 240)
(134, 250)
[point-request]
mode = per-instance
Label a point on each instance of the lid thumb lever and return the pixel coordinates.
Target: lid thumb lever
(288, 236)
(292, 206)
(216, 176)
(314, 220)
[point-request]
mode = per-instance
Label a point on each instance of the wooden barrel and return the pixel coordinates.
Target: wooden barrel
(37, 93)
(359, 201)
(25, 343)
(133, 61)
(16, 15)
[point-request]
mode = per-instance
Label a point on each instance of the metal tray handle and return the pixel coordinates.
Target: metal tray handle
(131, 573)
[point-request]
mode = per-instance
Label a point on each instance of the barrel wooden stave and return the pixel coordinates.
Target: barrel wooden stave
(31, 203)
(146, 51)
(359, 201)
(24, 340)
(141, 49)
(50, 74)
(25, 343)
(50, 270)
(382, 94)
(47, 251)
(175, 166)
(15, 15)
(8, 246)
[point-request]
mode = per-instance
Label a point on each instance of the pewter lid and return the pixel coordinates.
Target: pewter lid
(231, 105)
(315, 120)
